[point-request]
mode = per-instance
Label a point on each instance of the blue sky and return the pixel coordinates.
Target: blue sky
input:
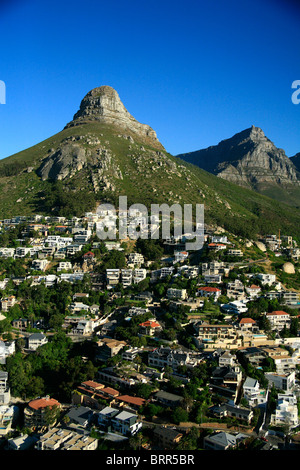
(196, 71)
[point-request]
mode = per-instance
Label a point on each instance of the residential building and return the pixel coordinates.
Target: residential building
(235, 252)
(65, 439)
(290, 297)
(164, 356)
(131, 353)
(213, 278)
(86, 326)
(135, 259)
(216, 336)
(252, 392)
(8, 302)
(4, 388)
(39, 264)
(80, 416)
(247, 325)
(35, 415)
(236, 290)
(266, 278)
(253, 291)
(23, 442)
(227, 359)
(226, 382)
(139, 275)
(122, 422)
(108, 347)
(286, 412)
(176, 293)
(150, 327)
(77, 307)
(207, 291)
(112, 276)
(180, 256)
(285, 382)
(235, 307)
(128, 402)
(232, 411)
(8, 416)
(64, 266)
(36, 340)
(6, 349)
(167, 438)
(278, 319)
(126, 277)
(133, 311)
(168, 399)
(223, 440)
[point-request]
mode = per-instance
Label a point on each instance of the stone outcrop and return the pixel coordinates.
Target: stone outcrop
(249, 159)
(296, 160)
(103, 104)
(63, 162)
(288, 268)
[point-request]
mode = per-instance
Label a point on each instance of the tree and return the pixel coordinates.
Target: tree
(51, 414)
(35, 387)
(135, 442)
(180, 415)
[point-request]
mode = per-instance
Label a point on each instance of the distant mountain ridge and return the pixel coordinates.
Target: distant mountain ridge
(248, 159)
(296, 160)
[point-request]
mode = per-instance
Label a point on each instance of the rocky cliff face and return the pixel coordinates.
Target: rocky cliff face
(249, 159)
(103, 104)
(296, 160)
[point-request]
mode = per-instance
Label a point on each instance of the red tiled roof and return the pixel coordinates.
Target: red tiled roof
(152, 324)
(89, 253)
(110, 391)
(43, 403)
(91, 383)
(133, 400)
(216, 244)
(278, 312)
(209, 289)
(247, 320)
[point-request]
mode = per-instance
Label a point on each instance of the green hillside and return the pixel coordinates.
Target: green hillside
(144, 174)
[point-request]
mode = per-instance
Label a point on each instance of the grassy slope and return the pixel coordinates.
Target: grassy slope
(145, 181)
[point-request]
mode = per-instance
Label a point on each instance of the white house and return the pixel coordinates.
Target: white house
(139, 275)
(266, 278)
(4, 388)
(125, 423)
(8, 302)
(207, 291)
(36, 340)
(279, 319)
(235, 307)
(286, 412)
(64, 265)
(253, 393)
(7, 415)
(135, 259)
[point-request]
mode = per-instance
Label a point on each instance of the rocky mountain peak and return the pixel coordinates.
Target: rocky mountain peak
(103, 104)
(248, 158)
